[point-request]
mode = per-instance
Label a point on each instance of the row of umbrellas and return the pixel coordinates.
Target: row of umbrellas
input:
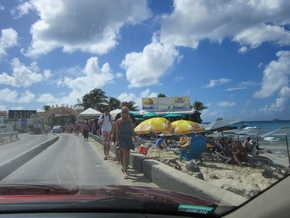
(159, 125)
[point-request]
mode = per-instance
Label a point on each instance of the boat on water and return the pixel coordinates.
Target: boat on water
(271, 139)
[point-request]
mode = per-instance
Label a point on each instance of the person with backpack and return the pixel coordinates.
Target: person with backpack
(106, 121)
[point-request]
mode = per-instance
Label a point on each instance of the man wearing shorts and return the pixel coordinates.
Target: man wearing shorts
(105, 121)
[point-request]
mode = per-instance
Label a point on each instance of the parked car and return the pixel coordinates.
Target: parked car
(56, 129)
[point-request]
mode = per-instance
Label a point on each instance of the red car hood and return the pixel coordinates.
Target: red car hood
(92, 197)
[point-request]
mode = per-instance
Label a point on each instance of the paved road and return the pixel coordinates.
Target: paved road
(71, 160)
(26, 141)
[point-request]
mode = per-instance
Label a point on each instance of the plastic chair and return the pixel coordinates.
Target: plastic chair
(195, 149)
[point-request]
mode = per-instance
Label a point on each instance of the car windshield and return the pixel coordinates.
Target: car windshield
(175, 106)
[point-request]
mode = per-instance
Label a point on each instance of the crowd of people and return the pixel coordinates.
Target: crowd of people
(119, 131)
(237, 151)
(246, 151)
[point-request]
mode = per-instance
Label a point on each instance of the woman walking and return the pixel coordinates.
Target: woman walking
(124, 134)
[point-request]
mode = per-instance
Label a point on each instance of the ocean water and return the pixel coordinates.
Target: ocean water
(277, 147)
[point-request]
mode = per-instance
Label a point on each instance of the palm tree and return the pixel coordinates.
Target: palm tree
(131, 106)
(96, 99)
(198, 106)
(79, 104)
(113, 103)
(46, 108)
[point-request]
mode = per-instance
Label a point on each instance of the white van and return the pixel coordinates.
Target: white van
(2, 128)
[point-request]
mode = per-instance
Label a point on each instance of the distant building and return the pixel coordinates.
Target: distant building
(3, 116)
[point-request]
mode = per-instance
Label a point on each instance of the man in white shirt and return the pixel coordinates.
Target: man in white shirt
(105, 121)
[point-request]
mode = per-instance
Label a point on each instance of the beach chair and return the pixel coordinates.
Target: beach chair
(196, 147)
(221, 154)
(268, 164)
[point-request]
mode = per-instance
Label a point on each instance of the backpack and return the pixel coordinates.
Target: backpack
(110, 116)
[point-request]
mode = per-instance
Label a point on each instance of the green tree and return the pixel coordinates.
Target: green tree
(96, 99)
(113, 103)
(46, 108)
(198, 106)
(131, 106)
(62, 121)
(78, 104)
(72, 119)
(161, 95)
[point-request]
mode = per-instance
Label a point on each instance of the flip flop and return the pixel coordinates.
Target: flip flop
(126, 176)
(105, 158)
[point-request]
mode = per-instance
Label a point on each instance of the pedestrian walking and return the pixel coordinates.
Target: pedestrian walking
(124, 134)
(85, 130)
(106, 121)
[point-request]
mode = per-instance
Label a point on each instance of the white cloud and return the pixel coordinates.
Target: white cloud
(276, 75)
(234, 89)
(208, 115)
(94, 76)
(22, 75)
(249, 83)
(47, 74)
(278, 106)
(216, 82)
(8, 95)
(178, 78)
(285, 92)
(260, 65)
(8, 40)
(17, 108)
(226, 104)
(96, 29)
(217, 20)
(145, 68)
(22, 9)
(26, 97)
(119, 75)
(46, 97)
(3, 108)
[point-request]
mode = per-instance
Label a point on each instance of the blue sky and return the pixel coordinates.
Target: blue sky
(234, 56)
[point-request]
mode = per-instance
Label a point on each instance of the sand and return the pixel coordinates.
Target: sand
(245, 181)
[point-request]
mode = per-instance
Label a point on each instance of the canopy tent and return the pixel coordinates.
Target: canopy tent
(115, 112)
(89, 114)
(151, 115)
(174, 115)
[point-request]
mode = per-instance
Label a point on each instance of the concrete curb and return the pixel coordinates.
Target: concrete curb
(171, 179)
(11, 165)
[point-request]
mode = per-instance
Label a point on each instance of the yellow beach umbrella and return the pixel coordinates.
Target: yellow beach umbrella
(182, 127)
(154, 125)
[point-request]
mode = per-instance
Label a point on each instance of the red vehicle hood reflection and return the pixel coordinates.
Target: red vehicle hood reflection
(48, 193)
